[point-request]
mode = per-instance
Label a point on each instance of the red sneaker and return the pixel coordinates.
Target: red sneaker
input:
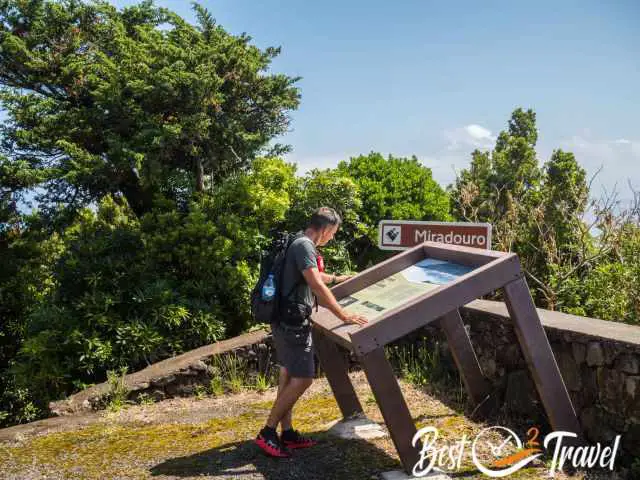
(271, 445)
(293, 439)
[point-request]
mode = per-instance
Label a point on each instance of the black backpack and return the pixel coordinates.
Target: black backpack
(272, 262)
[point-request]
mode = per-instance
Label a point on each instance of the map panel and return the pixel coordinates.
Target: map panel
(375, 300)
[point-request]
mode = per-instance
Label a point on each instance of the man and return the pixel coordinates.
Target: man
(292, 335)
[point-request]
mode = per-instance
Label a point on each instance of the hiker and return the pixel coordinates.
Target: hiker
(292, 332)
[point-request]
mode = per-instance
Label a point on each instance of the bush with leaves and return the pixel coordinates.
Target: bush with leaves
(114, 305)
(27, 254)
(390, 188)
(127, 291)
(132, 292)
(611, 290)
(332, 188)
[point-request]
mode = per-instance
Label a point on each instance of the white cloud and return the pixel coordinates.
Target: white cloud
(478, 132)
(446, 166)
(472, 135)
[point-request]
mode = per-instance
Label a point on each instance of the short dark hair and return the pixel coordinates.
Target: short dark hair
(323, 217)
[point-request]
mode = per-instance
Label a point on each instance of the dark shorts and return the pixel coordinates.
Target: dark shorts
(295, 350)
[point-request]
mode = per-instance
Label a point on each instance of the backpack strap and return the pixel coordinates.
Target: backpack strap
(298, 282)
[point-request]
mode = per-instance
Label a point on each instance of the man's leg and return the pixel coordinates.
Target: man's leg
(287, 397)
(285, 422)
(296, 352)
(289, 390)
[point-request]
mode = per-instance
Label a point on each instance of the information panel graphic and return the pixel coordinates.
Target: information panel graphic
(394, 290)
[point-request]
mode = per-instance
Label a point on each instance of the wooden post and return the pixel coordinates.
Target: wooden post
(464, 356)
(392, 405)
(540, 359)
(337, 370)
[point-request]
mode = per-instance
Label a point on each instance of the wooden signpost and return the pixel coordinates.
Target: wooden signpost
(424, 284)
(404, 234)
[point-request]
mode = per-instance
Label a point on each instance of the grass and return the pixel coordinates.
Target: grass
(144, 399)
(223, 446)
(116, 398)
(199, 392)
(418, 364)
(216, 386)
(231, 374)
(235, 385)
(262, 382)
(422, 365)
(137, 451)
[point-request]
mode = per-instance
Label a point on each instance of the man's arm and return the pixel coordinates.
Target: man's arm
(326, 277)
(313, 278)
(332, 278)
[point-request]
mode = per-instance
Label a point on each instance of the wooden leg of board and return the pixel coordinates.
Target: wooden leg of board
(464, 356)
(392, 405)
(336, 369)
(540, 359)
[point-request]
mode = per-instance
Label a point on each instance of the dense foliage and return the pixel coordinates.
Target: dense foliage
(136, 131)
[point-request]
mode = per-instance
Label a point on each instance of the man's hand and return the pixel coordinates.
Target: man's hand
(355, 318)
(326, 298)
(342, 278)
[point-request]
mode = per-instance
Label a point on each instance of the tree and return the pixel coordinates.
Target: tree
(537, 212)
(392, 188)
(117, 290)
(500, 185)
(103, 101)
(332, 188)
(26, 255)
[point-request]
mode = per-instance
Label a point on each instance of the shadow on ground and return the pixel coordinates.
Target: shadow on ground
(331, 458)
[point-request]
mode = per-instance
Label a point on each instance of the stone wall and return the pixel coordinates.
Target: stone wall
(599, 362)
(177, 376)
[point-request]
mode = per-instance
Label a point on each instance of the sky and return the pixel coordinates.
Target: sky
(437, 79)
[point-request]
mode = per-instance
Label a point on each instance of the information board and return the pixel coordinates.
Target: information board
(373, 301)
(430, 283)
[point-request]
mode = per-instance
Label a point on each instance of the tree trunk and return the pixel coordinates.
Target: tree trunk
(138, 198)
(199, 175)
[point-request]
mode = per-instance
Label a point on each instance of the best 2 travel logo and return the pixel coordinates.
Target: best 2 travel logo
(509, 454)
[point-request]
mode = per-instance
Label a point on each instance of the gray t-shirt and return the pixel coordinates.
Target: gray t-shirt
(301, 255)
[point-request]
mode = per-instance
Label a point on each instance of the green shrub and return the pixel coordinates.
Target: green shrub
(118, 390)
(390, 188)
(216, 386)
(200, 391)
(263, 382)
(419, 364)
(144, 399)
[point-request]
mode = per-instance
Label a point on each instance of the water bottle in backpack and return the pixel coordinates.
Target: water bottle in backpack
(269, 288)
(265, 301)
